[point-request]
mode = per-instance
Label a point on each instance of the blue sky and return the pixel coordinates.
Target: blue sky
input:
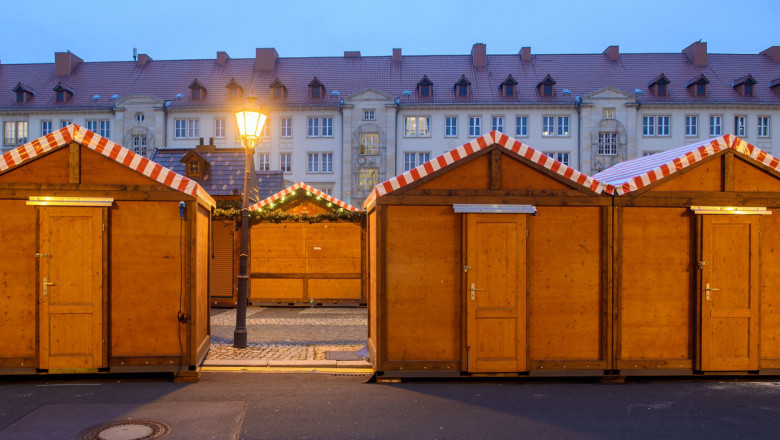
(167, 29)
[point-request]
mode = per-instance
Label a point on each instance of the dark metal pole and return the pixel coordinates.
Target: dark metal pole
(239, 335)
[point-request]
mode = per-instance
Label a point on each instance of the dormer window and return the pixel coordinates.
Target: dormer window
(744, 86)
(234, 90)
(278, 90)
(508, 87)
(197, 91)
(425, 88)
(463, 87)
(195, 164)
(774, 85)
(659, 86)
(62, 93)
(546, 87)
(316, 89)
(23, 93)
(698, 86)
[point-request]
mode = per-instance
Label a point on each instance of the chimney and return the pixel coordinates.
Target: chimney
(525, 54)
(479, 55)
(65, 62)
(396, 55)
(265, 59)
(697, 53)
(612, 52)
(143, 60)
(222, 58)
(351, 54)
(773, 53)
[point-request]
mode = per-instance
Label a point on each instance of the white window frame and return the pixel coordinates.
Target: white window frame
(219, 128)
(413, 159)
(475, 126)
(608, 143)
(264, 161)
(521, 125)
(285, 127)
(17, 135)
(740, 125)
(608, 113)
(285, 162)
(450, 126)
(46, 127)
(374, 144)
(561, 156)
(555, 125)
(691, 125)
(312, 163)
(92, 125)
(180, 129)
(664, 127)
(326, 126)
(497, 123)
(139, 145)
(417, 126)
(313, 127)
(368, 178)
(65, 122)
(369, 114)
(716, 129)
(763, 128)
(193, 128)
(326, 162)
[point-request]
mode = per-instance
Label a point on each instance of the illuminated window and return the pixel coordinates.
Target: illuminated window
(369, 178)
(369, 143)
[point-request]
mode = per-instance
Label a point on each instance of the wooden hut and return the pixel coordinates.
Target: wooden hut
(103, 270)
(220, 172)
(697, 260)
(294, 261)
(490, 259)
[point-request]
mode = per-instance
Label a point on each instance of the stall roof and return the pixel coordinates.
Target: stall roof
(300, 185)
(111, 150)
(474, 146)
(634, 174)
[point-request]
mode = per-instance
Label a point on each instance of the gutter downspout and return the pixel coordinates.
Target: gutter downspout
(166, 104)
(341, 112)
(577, 106)
(395, 130)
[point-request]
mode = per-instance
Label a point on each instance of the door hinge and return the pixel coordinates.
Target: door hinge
(466, 268)
(104, 227)
(702, 264)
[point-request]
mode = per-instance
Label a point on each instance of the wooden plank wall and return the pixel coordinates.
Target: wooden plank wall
(222, 267)
(147, 244)
(422, 302)
(202, 306)
(770, 290)
(18, 284)
(373, 287)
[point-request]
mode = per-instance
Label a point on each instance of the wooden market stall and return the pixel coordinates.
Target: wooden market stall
(697, 260)
(102, 271)
(294, 260)
(490, 259)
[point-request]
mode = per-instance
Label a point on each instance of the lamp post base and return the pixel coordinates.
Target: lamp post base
(239, 338)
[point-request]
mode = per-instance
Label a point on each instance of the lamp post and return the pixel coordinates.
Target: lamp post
(249, 125)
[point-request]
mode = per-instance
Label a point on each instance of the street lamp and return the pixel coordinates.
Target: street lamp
(249, 125)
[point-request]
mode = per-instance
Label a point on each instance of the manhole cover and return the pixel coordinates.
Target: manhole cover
(127, 430)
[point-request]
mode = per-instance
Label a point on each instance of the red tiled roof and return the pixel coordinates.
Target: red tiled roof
(580, 73)
(634, 174)
(225, 173)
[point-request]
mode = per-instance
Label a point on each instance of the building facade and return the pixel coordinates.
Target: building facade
(343, 124)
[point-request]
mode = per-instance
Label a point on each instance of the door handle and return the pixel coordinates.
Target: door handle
(46, 287)
(473, 290)
(707, 291)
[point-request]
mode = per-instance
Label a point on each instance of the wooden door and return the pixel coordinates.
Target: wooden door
(729, 321)
(496, 292)
(223, 269)
(71, 288)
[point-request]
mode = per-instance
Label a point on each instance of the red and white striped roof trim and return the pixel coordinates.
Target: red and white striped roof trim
(634, 174)
(136, 162)
(472, 147)
(300, 185)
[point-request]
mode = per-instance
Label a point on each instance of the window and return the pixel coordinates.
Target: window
(412, 160)
(316, 92)
(313, 163)
(15, 132)
(562, 156)
(655, 125)
(748, 89)
(20, 97)
(608, 113)
(285, 162)
(369, 143)
(369, 115)
(327, 127)
(196, 93)
(509, 90)
(139, 145)
(314, 127)
(186, 128)
(266, 130)
(417, 126)
(219, 128)
(60, 96)
(45, 127)
(463, 90)
(715, 126)
(263, 162)
(497, 123)
(555, 126)
(103, 128)
(740, 125)
(521, 126)
(276, 93)
(425, 91)
(608, 143)
(285, 129)
(450, 126)
(475, 126)
(701, 89)
(547, 90)
(661, 89)
(193, 167)
(368, 178)
(139, 117)
(92, 125)
(763, 126)
(327, 162)
(425, 88)
(691, 125)
(65, 123)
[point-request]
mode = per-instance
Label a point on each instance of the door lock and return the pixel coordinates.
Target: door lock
(473, 290)
(46, 287)
(707, 291)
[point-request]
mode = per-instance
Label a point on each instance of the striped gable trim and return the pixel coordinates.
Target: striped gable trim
(472, 147)
(136, 162)
(638, 173)
(300, 185)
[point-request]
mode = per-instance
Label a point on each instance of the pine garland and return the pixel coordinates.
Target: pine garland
(231, 211)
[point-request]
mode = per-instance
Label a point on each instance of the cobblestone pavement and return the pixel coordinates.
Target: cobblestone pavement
(287, 333)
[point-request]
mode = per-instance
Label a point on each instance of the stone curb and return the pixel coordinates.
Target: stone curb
(285, 363)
